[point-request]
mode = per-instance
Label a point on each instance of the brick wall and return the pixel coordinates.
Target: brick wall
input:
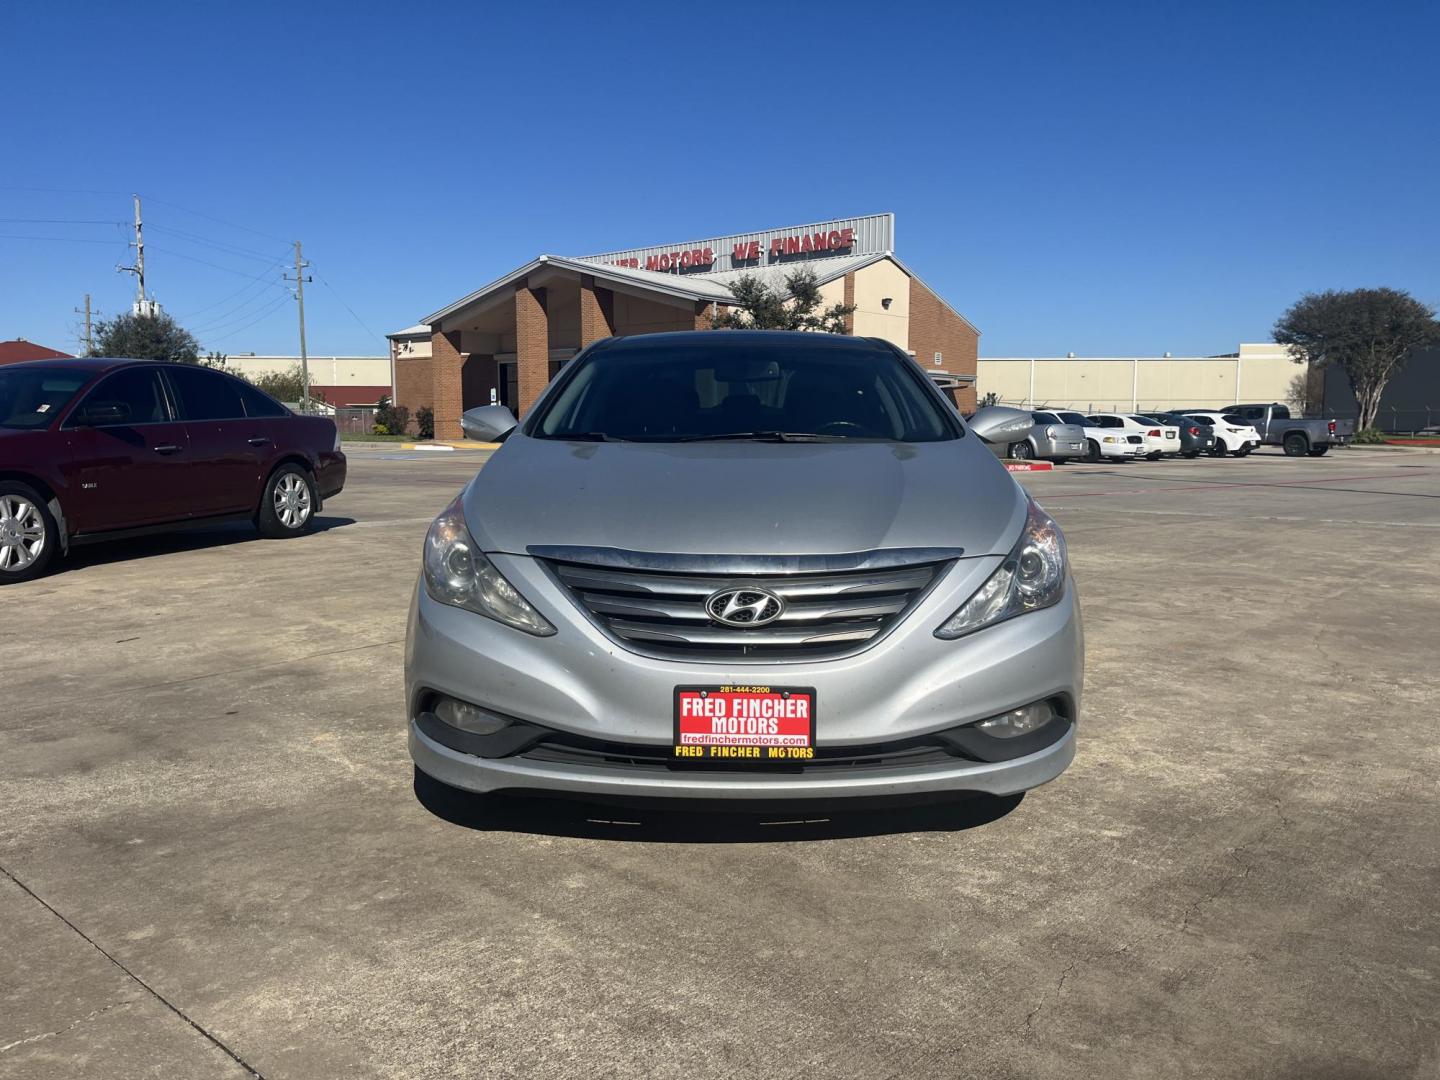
(850, 302)
(414, 385)
(935, 328)
(597, 311)
(532, 344)
(447, 393)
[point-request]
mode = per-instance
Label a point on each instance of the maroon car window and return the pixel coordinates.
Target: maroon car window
(127, 397)
(205, 395)
(33, 397)
(258, 403)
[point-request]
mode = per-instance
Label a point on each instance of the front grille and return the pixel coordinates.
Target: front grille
(664, 614)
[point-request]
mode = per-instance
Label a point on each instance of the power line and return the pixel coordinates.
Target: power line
(203, 262)
(218, 221)
(227, 248)
(59, 221)
(346, 306)
(61, 190)
(56, 239)
(226, 299)
(247, 306)
(231, 332)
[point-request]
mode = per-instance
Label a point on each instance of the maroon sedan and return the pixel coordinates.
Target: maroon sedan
(94, 448)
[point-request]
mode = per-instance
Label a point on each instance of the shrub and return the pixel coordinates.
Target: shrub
(395, 419)
(425, 422)
(1369, 437)
(379, 429)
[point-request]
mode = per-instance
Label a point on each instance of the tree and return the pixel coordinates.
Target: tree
(145, 337)
(1369, 333)
(287, 385)
(759, 306)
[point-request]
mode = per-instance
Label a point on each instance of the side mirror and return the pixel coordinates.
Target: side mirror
(102, 413)
(1000, 424)
(488, 423)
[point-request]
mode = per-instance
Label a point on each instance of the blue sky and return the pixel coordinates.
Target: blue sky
(1100, 178)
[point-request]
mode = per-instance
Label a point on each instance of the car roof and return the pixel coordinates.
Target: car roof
(78, 363)
(742, 340)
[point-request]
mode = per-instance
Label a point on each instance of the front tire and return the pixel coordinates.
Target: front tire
(1319, 451)
(1218, 450)
(1092, 451)
(1296, 445)
(1155, 456)
(1190, 455)
(287, 508)
(29, 536)
(1021, 451)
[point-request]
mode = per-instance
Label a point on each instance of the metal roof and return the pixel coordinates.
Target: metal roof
(688, 288)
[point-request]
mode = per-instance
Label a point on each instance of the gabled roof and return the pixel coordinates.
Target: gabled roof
(692, 288)
(19, 350)
(709, 287)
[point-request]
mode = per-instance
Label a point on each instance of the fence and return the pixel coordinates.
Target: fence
(355, 421)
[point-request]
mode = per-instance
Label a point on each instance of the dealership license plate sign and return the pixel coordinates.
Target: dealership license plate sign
(744, 724)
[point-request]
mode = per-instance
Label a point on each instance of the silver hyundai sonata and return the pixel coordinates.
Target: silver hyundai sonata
(745, 566)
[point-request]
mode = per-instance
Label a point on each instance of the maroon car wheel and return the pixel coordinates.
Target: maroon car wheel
(28, 533)
(288, 506)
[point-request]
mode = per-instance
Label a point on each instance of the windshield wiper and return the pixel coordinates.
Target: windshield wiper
(584, 436)
(757, 436)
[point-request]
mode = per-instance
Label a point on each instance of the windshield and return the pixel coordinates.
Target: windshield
(768, 391)
(30, 397)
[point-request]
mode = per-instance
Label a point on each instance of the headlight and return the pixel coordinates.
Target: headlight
(456, 573)
(1049, 433)
(1031, 577)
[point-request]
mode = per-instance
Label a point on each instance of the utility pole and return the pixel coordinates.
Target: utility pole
(89, 338)
(141, 304)
(300, 279)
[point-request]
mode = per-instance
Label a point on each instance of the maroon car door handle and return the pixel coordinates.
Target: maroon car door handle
(167, 448)
(259, 440)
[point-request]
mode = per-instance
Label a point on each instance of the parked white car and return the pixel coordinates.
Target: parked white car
(1232, 435)
(1103, 442)
(1159, 439)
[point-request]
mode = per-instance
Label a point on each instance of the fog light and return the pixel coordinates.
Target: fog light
(467, 717)
(1016, 722)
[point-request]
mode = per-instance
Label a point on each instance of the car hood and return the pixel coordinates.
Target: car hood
(744, 498)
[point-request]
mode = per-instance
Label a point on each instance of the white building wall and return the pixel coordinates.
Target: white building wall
(324, 370)
(1262, 372)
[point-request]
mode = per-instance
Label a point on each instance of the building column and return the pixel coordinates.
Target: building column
(597, 311)
(850, 302)
(532, 344)
(704, 315)
(446, 392)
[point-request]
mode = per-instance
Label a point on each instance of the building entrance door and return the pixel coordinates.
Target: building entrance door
(509, 384)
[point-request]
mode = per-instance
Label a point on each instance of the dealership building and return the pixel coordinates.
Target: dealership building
(505, 341)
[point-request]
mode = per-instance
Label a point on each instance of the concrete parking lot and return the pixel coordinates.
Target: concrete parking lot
(214, 863)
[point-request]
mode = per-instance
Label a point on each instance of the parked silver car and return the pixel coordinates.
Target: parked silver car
(1051, 439)
(743, 566)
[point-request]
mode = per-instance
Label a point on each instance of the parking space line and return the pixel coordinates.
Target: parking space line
(1290, 519)
(1302, 485)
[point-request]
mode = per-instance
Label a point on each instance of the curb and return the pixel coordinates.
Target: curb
(1028, 466)
(1391, 448)
(444, 446)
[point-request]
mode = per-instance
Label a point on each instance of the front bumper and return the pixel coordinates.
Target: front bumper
(578, 681)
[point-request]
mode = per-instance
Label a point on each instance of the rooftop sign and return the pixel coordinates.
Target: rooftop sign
(872, 235)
